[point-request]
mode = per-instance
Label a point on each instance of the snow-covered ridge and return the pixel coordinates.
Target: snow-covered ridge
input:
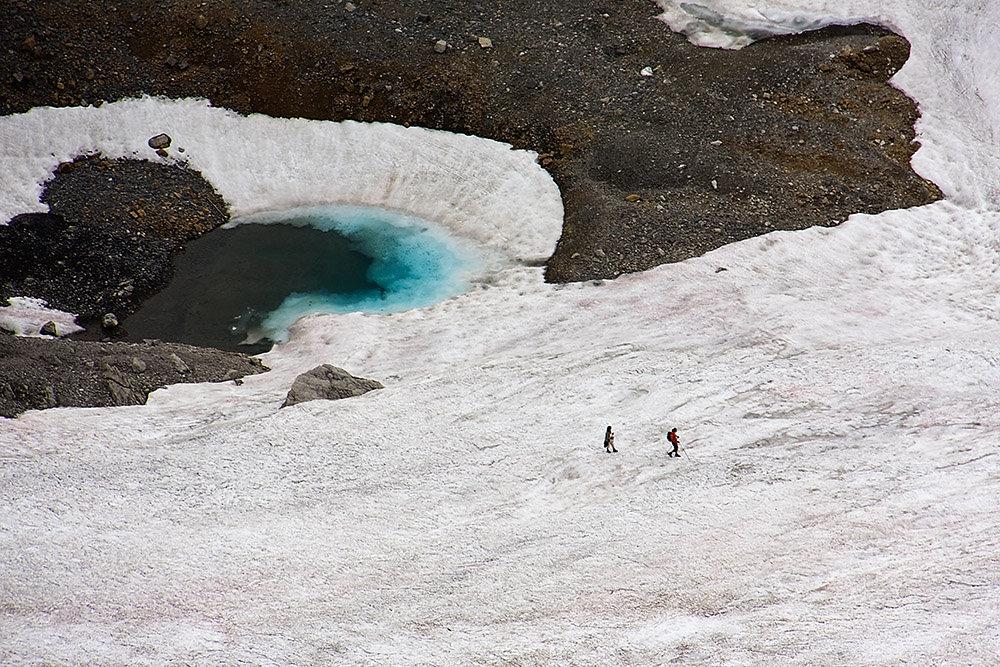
(478, 189)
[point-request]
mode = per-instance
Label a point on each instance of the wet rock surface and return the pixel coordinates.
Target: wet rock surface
(662, 150)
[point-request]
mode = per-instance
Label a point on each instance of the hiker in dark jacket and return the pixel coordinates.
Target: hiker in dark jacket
(675, 441)
(609, 441)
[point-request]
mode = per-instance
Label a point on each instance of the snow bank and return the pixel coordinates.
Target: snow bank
(25, 317)
(478, 189)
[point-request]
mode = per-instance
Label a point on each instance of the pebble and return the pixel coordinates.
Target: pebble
(159, 141)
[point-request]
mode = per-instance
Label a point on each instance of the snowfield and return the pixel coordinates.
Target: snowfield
(835, 390)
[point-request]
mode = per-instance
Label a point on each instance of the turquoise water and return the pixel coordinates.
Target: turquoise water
(241, 286)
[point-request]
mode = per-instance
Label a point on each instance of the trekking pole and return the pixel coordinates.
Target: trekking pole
(684, 449)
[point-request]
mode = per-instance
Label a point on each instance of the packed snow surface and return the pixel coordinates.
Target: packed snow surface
(835, 390)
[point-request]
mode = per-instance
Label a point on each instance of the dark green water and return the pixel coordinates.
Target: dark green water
(226, 281)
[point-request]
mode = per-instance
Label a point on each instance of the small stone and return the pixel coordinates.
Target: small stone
(138, 365)
(50, 397)
(179, 364)
(160, 141)
(633, 198)
(486, 42)
(162, 153)
(109, 321)
(646, 71)
(440, 46)
(201, 22)
(350, 6)
(18, 77)
(49, 329)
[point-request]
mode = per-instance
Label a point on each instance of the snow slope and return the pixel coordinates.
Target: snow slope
(835, 390)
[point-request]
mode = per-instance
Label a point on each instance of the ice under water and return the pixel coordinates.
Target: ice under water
(241, 286)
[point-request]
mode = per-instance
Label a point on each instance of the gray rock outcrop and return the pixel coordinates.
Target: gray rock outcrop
(36, 373)
(329, 383)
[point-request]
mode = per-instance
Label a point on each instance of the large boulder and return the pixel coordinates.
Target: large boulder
(329, 383)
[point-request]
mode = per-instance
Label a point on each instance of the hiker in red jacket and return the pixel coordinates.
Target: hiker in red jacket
(675, 441)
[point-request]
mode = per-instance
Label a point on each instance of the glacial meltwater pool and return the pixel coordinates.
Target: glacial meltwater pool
(241, 286)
